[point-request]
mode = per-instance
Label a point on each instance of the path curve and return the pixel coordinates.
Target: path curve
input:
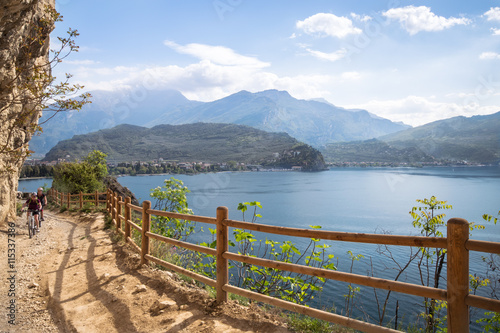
(74, 276)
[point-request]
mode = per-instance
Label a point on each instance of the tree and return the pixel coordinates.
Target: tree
(33, 89)
(86, 176)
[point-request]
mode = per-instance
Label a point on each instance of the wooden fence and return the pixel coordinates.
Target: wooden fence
(65, 199)
(457, 244)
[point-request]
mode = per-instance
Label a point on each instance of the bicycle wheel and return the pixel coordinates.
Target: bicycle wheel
(30, 229)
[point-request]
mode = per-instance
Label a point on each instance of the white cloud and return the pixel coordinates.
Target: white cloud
(493, 14)
(324, 24)
(364, 18)
(417, 110)
(333, 56)
(495, 31)
(416, 19)
(489, 56)
(204, 80)
(217, 54)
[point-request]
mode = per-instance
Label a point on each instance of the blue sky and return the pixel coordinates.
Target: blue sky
(410, 61)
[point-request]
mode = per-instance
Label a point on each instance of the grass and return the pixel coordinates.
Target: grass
(19, 208)
(305, 324)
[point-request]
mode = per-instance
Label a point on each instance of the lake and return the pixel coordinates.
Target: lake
(364, 200)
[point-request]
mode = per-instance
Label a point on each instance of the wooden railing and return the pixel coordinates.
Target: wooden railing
(65, 199)
(457, 244)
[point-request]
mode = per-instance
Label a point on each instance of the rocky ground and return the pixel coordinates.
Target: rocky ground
(74, 276)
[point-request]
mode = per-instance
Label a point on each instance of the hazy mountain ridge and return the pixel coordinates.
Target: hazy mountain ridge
(313, 122)
(316, 123)
(459, 139)
(199, 142)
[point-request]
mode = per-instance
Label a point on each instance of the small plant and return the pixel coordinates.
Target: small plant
(19, 208)
(171, 197)
(305, 324)
(108, 222)
(87, 208)
(297, 288)
(63, 209)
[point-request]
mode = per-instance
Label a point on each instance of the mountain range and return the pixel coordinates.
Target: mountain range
(315, 122)
(459, 139)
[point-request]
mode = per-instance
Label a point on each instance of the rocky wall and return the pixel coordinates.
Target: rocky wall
(20, 22)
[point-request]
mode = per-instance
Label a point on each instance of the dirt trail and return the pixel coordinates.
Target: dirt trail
(75, 277)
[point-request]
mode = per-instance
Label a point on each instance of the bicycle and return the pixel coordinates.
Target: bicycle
(31, 223)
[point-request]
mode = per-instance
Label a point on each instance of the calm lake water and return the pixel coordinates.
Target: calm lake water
(368, 200)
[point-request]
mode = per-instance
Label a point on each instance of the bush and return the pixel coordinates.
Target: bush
(86, 176)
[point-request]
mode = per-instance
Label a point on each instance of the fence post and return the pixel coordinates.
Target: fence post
(128, 213)
(62, 198)
(96, 199)
(107, 199)
(118, 213)
(222, 247)
(113, 206)
(146, 220)
(81, 200)
(457, 275)
(69, 199)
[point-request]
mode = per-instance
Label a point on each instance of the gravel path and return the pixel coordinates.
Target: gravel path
(74, 276)
(26, 286)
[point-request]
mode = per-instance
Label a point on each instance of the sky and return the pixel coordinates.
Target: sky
(409, 61)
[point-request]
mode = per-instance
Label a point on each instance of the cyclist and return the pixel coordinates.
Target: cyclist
(34, 205)
(43, 200)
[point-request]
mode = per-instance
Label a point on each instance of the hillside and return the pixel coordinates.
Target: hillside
(212, 143)
(313, 122)
(459, 139)
(373, 151)
(474, 139)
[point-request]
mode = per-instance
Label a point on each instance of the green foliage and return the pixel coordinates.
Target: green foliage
(97, 161)
(490, 218)
(19, 208)
(305, 324)
(297, 288)
(87, 208)
(352, 291)
(425, 219)
(172, 197)
(491, 322)
(85, 176)
(431, 261)
(211, 143)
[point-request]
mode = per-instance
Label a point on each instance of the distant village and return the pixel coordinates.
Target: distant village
(39, 168)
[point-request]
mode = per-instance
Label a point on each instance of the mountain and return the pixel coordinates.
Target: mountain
(475, 139)
(313, 122)
(199, 142)
(108, 109)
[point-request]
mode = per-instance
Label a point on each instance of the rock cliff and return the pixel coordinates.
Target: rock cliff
(24, 46)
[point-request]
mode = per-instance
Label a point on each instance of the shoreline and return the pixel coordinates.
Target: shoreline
(331, 167)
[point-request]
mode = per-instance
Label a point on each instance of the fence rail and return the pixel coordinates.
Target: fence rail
(457, 244)
(65, 198)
